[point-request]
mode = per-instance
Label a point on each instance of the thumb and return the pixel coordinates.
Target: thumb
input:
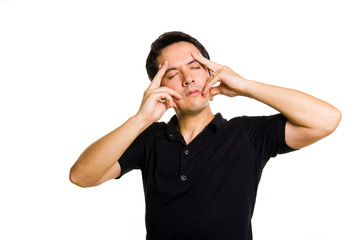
(214, 91)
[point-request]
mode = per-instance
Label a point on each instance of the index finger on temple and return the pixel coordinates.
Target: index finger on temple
(156, 82)
(206, 62)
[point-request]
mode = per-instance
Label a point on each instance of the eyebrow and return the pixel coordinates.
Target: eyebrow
(171, 69)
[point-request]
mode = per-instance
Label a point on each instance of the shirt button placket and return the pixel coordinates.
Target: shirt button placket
(183, 177)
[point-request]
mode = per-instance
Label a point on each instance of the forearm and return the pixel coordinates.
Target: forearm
(300, 108)
(98, 162)
(310, 119)
(100, 156)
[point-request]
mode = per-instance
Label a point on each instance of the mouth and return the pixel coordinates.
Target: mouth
(193, 93)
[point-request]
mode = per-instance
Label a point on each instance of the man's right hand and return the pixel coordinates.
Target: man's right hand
(157, 99)
(99, 162)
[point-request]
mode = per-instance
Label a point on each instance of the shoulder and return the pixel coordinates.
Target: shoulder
(258, 124)
(153, 129)
(259, 120)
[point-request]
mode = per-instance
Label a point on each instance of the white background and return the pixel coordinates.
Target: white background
(71, 71)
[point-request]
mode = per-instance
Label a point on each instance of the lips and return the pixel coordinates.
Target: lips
(193, 92)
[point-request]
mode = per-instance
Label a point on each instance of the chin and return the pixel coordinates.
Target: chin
(193, 107)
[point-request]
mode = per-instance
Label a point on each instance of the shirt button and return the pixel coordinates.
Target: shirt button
(187, 152)
(183, 178)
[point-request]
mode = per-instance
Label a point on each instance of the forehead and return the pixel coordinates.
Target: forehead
(177, 53)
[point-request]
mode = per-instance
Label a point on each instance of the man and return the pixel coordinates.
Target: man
(201, 172)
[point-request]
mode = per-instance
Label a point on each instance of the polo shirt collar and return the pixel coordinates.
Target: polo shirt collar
(216, 123)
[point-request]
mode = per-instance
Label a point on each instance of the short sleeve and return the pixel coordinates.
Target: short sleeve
(131, 158)
(267, 135)
(135, 154)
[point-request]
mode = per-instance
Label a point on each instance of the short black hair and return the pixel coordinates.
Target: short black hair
(165, 40)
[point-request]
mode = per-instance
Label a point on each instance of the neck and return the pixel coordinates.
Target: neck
(190, 125)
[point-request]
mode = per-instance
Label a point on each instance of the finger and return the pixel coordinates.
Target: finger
(172, 104)
(206, 62)
(214, 91)
(156, 82)
(169, 91)
(210, 83)
(167, 100)
(163, 97)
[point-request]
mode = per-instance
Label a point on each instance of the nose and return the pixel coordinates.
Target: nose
(187, 78)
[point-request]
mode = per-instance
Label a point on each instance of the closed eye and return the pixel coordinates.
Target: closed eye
(194, 65)
(173, 76)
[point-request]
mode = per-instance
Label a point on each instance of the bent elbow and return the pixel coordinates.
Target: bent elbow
(334, 121)
(328, 126)
(74, 179)
(77, 180)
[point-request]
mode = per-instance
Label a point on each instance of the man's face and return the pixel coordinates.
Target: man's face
(185, 75)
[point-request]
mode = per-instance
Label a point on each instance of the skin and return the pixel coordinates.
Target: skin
(183, 83)
(186, 76)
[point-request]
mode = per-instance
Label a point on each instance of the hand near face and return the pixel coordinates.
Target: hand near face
(231, 83)
(157, 99)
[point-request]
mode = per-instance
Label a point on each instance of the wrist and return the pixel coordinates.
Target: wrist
(141, 121)
(246, 88)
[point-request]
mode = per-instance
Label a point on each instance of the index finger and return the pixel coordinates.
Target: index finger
(156, 82)
(206, 62)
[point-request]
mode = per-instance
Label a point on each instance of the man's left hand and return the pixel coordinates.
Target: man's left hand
(231, 83)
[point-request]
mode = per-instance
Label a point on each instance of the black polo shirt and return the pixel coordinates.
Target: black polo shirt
(207, 189)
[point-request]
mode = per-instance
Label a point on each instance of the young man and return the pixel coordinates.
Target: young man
(201, 172)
